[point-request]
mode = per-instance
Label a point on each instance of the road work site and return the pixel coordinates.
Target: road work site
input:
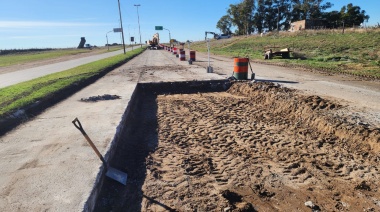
(291, 140)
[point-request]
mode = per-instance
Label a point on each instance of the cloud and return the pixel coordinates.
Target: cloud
(45, 24)
(42, 36)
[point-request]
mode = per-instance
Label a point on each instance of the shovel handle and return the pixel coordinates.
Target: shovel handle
(249, 62)
(78, 125)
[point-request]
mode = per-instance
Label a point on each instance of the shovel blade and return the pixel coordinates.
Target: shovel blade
(117, 175)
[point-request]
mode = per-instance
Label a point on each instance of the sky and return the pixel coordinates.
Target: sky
(61, 23)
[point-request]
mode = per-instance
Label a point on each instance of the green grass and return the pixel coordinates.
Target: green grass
(21, 58)
(23, 94)
(355, 52)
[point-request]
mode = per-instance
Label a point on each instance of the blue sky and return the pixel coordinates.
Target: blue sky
(61, 23)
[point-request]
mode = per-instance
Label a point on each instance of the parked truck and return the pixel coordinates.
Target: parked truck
(155, 42)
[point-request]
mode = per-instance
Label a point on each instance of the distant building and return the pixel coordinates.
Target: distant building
(308, 24)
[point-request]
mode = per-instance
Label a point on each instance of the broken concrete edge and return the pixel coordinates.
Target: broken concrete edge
(186, 87)
(141, 89)
(110, 151)
(23, 115)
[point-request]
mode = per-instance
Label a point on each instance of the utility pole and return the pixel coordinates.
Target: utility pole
(121, 25)
(343, 27)
(278, 16)
(138, 20)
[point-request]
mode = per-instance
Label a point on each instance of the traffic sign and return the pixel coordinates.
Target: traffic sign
(159, 28)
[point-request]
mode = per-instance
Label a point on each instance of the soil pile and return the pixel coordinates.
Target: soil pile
(260, 147)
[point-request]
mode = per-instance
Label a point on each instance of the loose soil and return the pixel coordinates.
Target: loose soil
(255, 147)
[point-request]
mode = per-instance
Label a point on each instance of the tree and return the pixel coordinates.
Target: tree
(271, 13)
(333, 19)
(224, 24)
(308, 9)
(353, 15)
(258, 17)
(241, 16)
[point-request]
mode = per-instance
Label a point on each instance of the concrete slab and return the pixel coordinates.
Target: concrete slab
(46, 163)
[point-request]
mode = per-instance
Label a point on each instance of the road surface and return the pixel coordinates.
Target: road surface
(15, 77)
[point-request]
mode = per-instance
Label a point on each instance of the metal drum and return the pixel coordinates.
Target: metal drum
(182, 55)
(241, 68)
(192, 55)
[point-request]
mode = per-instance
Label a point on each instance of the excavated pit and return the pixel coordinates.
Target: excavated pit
(212, 146)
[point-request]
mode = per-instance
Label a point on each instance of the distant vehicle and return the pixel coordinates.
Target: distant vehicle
(154, 43)
(222, 36)
(88, 46)
(217, 36)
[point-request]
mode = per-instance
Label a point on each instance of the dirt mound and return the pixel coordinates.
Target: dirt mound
(255, 147)
(263, 145)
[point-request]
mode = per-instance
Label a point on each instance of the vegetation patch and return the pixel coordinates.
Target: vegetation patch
(354, 52)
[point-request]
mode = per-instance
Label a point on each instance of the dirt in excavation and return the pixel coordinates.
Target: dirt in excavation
(257, 147)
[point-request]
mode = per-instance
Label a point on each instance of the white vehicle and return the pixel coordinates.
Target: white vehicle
(222, 36)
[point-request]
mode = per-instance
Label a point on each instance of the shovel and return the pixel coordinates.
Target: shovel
(253, 74)
(112, 173)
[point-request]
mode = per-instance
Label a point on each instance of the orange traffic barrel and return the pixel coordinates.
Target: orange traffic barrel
(192, 55)
(182, 56)
(241, 68)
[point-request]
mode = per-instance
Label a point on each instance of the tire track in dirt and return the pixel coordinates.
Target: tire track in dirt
(260, 146)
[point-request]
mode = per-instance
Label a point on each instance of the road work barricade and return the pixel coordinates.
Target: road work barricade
(182, 56)
(241, 68)
(192, 55)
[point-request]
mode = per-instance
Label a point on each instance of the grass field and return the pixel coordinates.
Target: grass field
(355, 52)
(23, 94)
(21, 58)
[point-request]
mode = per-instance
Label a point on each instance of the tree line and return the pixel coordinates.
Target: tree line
(250, 16)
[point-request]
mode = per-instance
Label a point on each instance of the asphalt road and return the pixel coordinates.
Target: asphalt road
(15, 77)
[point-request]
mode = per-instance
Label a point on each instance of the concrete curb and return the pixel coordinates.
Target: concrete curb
(111, 148)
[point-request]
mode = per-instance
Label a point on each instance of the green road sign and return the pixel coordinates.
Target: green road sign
(159, 28)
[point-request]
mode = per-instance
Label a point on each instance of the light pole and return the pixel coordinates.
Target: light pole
(138, 20)
(107, 39)
(121, 25)
(278, 16)
(169, 37)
